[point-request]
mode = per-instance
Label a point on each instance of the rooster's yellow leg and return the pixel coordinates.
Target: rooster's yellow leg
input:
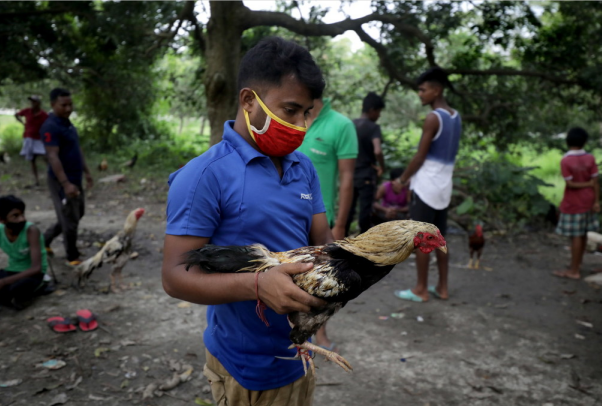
(470, 264)
(330, 355)
(114, 288)
(477, 263)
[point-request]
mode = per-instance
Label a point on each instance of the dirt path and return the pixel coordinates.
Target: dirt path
(508, 336)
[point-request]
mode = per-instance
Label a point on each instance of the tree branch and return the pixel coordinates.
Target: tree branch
(512, 72)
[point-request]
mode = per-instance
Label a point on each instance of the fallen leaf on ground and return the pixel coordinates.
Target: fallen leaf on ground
(585, 323)
(125, 384)
(94, 397)
(567, 356)
(59, 399)
(203, 402)
(579, 336)
(183, 305)
(77, 382)
(59, 292)
(99, 351)
(12, 382)
(134, 255)
(52, 364)
(170, 383)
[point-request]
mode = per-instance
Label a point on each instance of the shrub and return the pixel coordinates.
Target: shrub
(11, 138)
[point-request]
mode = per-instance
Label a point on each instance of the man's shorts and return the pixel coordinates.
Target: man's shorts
(420, 211)
(32, 147)
(577, 225)
(227, 391)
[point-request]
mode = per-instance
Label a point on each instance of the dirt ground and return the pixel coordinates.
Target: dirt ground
(507, 336)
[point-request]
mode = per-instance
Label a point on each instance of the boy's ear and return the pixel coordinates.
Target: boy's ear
(247, 99)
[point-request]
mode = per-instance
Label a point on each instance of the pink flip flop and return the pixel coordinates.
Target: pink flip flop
(87, 320)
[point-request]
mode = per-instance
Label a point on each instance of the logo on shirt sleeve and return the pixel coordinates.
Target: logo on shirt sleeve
(306, 196)
(47, 137)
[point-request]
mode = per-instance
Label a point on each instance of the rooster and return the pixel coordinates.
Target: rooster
(103, 165)
(342, 271)
(130, 164)
(476, 242)
(116, 251)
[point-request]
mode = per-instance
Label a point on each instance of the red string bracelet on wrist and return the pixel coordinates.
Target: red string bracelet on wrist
(260, 305)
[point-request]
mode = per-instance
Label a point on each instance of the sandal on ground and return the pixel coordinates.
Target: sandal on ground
(60, 324)
(432, 290)
(87, 320)
(408, 295)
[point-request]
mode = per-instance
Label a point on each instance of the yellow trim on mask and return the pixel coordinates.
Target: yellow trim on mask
(274, 117)
(249, 125)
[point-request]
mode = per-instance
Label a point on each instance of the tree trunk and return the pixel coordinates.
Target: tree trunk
(224, 31)
(203, 120)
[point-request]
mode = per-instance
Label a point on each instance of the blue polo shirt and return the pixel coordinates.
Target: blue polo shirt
(234, 195)
(60, 132)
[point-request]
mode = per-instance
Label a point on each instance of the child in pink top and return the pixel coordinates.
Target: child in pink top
(581, 201)
(392, 200)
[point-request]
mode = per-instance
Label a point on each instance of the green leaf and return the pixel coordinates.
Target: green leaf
(466, 206)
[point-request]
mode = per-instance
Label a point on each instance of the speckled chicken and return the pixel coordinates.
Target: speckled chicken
(342, 270)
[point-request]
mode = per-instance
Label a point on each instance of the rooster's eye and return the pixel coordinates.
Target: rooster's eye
(430, 237)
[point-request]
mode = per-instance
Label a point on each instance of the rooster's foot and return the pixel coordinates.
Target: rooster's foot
(477, 264)
(330, 356)
(470, 266)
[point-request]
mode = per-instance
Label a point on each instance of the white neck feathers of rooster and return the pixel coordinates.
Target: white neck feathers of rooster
(130, 223)
(383, 249)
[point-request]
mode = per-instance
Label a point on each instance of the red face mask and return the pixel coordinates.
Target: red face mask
(277, 137)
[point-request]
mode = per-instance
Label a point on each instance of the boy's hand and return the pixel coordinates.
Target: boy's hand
(278, 291)
(596, 207)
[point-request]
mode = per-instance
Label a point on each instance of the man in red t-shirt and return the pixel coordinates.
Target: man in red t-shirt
(581, 201)
(32, 144)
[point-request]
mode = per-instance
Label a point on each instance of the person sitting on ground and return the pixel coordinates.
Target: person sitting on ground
(581, 199)
(22, 241)
(32, 144)
(392, 200)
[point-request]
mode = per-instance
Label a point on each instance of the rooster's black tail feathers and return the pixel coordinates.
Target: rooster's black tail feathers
(229, 259)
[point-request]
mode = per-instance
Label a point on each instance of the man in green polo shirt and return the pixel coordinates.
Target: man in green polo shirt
(331, 144)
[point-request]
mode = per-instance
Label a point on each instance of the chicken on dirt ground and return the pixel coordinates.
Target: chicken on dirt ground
(116, 251)
(341, 271)
(476, 242)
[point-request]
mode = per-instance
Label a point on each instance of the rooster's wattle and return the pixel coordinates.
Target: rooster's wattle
(342, 270)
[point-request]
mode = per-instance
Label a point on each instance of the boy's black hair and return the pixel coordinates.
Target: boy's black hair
(576, 137)
(396, 173)
(274, 57)
(434, 75)
(8, 203)
(58, 92)
(372, 101)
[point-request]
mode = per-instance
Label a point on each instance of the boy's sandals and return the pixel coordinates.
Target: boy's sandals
(61, 324)
(408, 295)
(87, 320)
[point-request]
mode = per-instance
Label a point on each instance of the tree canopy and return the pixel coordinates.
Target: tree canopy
(519, 70)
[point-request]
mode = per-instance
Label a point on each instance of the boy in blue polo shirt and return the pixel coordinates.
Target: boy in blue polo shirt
(252, 187)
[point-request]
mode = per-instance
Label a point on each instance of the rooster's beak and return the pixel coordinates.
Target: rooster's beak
(443, 248)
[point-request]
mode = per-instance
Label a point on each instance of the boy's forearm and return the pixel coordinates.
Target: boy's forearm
(21, 275)
(597, 190)
(198, 287)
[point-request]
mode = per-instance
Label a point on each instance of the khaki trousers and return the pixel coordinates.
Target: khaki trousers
(227, 392)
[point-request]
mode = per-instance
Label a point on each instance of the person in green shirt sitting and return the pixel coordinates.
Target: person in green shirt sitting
(22, 241)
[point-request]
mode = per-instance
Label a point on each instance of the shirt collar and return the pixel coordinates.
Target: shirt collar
(246, 151)
(325, 108)
(64, 121)
(573, 152)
